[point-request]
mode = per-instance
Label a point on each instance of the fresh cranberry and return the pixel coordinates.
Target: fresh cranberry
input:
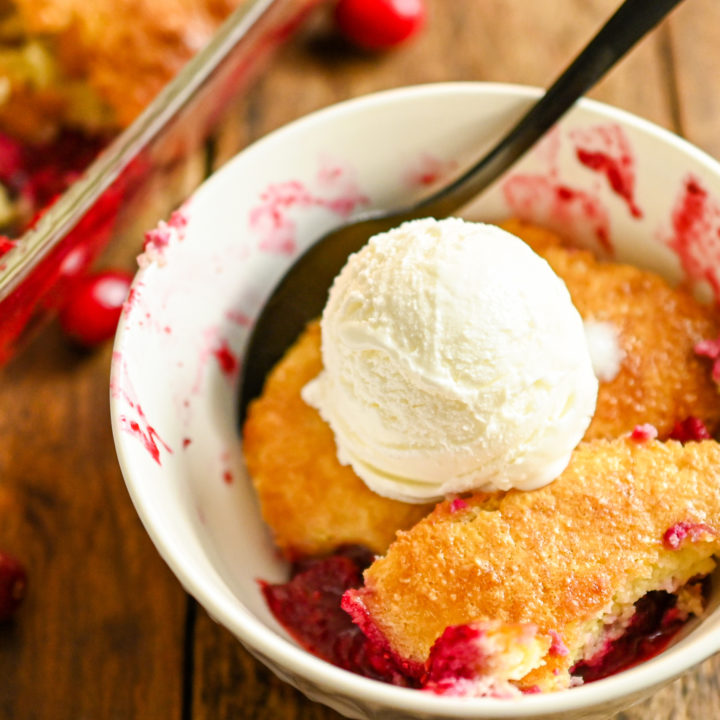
(92, 311)
(13, 582)
(379, 24)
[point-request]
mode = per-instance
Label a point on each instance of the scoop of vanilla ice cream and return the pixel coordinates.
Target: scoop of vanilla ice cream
(453, 360)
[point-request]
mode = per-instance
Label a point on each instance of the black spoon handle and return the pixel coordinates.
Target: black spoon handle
(632, 20)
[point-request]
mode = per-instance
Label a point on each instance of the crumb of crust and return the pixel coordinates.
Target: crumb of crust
(159, 238)
(644, 432)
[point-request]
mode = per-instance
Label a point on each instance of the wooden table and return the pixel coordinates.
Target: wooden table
(106, 631)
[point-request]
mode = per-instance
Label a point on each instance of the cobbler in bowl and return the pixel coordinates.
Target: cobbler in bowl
(496, 593)
(598, 585)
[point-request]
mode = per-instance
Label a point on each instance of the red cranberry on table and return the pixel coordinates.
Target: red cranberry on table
(13, 582)
(379, 24)
(93, 307)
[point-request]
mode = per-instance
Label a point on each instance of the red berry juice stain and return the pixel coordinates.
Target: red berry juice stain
(540, 197)
(569, 211)
(227, 359)
(273, 219)
(644, 433)
(695, 234)
(239, 318)
(158, 239)
(180, 218)
(133, 421)
(428, 170)
(132, 299)
(558, 646)
(605, 149)
(146, 433)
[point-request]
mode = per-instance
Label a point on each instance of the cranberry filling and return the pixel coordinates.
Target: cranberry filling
(35, 175)
(308, 607)
(653, 626)
(690, 429)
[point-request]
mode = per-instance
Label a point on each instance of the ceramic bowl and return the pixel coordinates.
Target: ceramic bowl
(611, 180)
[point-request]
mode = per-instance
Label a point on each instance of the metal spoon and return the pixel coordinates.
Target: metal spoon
(301, 294)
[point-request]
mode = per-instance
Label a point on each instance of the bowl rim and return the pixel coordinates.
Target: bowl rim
(261, 639)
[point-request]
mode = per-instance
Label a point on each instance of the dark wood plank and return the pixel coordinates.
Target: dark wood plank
(694, 41)
(101, 633)
(230, 683)
(523, 42)
(695, 695)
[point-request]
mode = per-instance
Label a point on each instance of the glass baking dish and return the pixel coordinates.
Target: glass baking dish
(143, 173)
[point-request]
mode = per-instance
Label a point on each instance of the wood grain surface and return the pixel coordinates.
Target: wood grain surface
(107, 632)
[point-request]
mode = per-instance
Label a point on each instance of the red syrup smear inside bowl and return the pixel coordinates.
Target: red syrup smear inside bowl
(308, 607)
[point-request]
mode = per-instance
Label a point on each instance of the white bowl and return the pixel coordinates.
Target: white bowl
(185, 326)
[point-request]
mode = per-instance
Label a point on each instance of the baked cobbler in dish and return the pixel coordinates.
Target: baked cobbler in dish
(73, 74)
(93, 66)
(508, 592)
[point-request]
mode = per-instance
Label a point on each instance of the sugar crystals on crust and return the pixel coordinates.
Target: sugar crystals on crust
(566, 562)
